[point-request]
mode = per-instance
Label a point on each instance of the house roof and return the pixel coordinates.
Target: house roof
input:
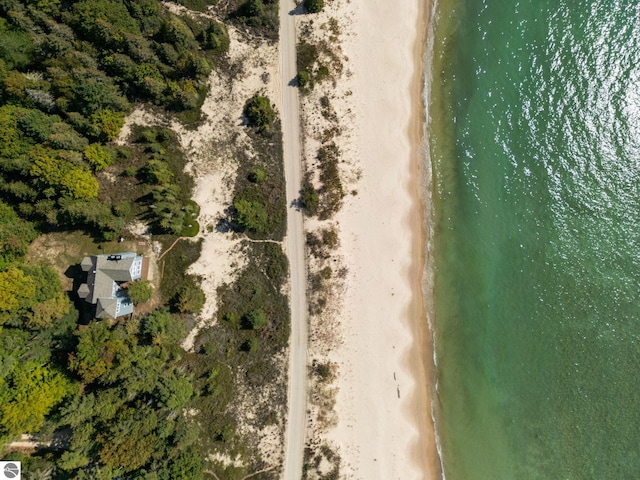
(84, 291)
(86, 264)
(106, 308)
(105, 274)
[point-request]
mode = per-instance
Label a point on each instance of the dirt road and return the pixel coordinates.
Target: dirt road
(294, 245)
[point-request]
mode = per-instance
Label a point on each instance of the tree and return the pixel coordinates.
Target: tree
(79, 183)
(15, 235)
(16, 289)
(29, 394)
(259, 112)
(251, 215)
(309, 197)
(107, 123)
(313, 6)
(97, 156)
(140, 291)
(162, 328)
(173, 393)
(216, 38)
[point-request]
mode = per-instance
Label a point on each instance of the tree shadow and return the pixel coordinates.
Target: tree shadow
(299, 10)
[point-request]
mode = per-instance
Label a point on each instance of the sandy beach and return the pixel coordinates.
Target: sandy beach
(384, 427)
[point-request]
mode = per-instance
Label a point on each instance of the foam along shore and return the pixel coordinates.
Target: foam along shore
(383, 405)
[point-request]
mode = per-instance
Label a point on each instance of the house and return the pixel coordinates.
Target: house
(107, 278)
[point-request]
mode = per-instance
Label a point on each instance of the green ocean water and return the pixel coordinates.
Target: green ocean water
(534, 138)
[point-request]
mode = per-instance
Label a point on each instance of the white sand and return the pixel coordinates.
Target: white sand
(384, 427)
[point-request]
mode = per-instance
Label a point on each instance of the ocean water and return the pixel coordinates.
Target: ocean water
(534, 138)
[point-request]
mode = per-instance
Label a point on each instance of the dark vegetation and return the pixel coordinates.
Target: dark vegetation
(245, 347)
(69, 74)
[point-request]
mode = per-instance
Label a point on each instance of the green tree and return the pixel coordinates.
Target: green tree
(15, 236)
(309, 197)
(16, 290)
(173, 393)
(251, 215)
(97, 156)
(303, 78)
(107, 123)
(162, 328)
(96, 351)
(313, 6)
(80, 184)
(216, 38)
(140, 291)
(259, 112)
(28, 394)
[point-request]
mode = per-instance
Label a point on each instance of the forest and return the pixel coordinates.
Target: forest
(112, 399)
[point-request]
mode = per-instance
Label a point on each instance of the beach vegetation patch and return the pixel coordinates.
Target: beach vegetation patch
(250, 336)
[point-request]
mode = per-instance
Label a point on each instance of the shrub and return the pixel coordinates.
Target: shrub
(309, 198)
(303, 78)
(251, 345)
(259, 112)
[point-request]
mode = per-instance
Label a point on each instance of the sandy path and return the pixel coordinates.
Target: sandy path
(294, 248)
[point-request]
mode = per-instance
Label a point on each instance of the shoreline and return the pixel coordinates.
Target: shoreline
(421, 358)
(386, 369)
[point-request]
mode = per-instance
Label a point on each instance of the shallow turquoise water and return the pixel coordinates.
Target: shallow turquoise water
(535, 144)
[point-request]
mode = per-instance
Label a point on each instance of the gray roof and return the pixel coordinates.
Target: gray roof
(86, 264)
(105, 274)
(118, 270)
(84, 291)
(106, 308)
